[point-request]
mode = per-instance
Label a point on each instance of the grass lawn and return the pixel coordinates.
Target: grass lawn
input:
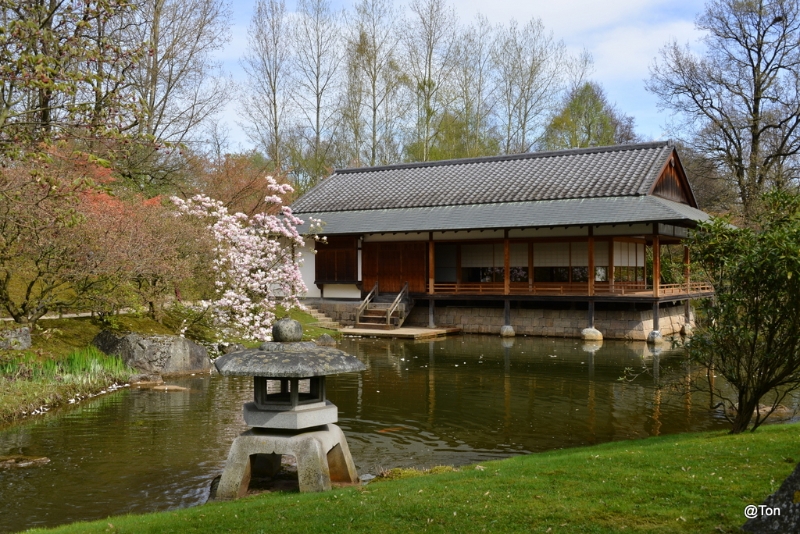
(683, 483)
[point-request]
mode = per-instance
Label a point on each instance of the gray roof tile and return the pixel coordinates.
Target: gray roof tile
(619, 171)
(530, 214)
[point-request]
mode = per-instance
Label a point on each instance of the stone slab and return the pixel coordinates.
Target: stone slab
(288, 360)
(322, 456)
(290, 419)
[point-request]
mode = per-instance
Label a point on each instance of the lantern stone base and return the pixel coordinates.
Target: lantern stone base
(319, 413)
(322, 456)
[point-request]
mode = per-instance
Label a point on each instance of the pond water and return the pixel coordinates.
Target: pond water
(454, 401)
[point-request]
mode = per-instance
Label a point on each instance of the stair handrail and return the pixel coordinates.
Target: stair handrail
(366, 302)
(396, 303)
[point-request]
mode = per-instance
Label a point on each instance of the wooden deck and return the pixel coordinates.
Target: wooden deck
(404, 332)
(600, 289)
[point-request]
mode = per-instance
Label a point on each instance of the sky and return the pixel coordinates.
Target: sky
(623, 37)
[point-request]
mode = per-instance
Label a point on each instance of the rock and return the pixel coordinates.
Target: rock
(287, 330)
(325, 341)
(15, 339)
(654, 338)
(8, 462)
(507, 331)
(686, 330)
(591, 334)
(169, 387)
(787, 500)
(227, 348)
(155, 354)
(145, 379)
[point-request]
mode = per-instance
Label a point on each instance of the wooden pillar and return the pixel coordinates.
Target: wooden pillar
(458, 265)
(431, 263)
(507, 312)
(431, 310)
(611, 265)
(686, 267)
(530, 266)
(506, 266)
(590, 317)
(656, 261)
(591, 262)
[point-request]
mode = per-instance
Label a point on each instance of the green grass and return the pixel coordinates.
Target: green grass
(683, 483)
(29, 381)
(309, 332)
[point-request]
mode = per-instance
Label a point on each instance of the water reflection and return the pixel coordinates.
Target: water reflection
(453, 401)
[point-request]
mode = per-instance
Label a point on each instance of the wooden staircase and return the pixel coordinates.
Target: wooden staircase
(384, 312)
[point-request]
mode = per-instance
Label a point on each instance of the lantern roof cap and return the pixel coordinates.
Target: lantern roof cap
(288, 360)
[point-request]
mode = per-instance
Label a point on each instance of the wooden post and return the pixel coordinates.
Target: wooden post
(611, 265)
(506, 266)
(431, 263)
(686, 267)
(530, 267)
(431, 310)
(507, 312)
(656, 264)
(591, 262)
(591, 314)
(458, 265)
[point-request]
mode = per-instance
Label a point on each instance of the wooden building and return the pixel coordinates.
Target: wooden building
(586, 227)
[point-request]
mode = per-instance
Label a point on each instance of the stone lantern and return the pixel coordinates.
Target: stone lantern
(289, 413)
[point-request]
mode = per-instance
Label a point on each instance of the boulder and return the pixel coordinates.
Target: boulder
(16, 339)
(155, 354)
(655, 338)
(765, 519)
(287, 331)
(507, 331)
(325, 340)
(227, 348)
(591, 334)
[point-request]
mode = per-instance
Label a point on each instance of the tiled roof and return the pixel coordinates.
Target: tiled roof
(535, 214)
(619, 171)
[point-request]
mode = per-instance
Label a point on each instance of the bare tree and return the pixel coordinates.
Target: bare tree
(267, 64)
(474, 87)
(530, 80)
(739, 101)
(373, 65)
(317, 56)
(179, 82)
(430, 47)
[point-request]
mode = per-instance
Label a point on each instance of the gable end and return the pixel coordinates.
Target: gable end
(672, 183)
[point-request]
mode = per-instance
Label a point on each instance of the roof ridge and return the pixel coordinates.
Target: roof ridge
(507, 157)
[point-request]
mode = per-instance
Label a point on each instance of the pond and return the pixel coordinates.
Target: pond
(454, 401)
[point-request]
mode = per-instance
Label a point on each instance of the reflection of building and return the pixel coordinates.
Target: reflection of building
(577, 230)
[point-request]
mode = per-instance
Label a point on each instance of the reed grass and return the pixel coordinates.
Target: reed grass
(30, 380)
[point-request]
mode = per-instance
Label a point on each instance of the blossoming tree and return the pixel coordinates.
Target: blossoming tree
(257, 261)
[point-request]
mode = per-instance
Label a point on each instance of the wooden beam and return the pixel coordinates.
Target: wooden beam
(506, 265)
(591, 262)
(431, 263)
(530, 266)
(611, 264)
(656, 265)
(686, 266)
